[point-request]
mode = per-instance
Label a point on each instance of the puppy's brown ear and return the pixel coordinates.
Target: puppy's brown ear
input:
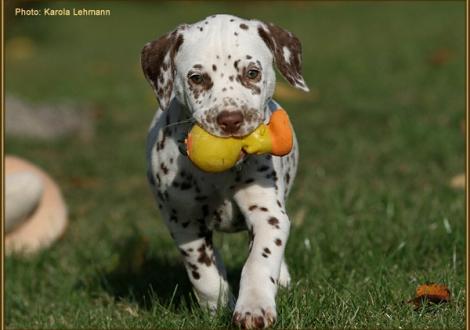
(287, 52)
(157, 61)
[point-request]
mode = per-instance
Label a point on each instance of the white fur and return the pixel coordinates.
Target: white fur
(286, 54)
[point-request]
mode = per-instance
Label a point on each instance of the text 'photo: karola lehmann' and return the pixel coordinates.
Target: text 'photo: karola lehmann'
(61, 12)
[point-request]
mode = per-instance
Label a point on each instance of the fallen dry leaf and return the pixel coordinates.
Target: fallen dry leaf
(440, 56)
(438, 291)
(20, 48)
(458, 181)
(431, 293)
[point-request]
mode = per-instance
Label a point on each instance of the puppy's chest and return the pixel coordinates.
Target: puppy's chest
(195, 194)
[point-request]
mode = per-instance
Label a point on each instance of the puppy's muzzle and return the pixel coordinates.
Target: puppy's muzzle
(230, 121)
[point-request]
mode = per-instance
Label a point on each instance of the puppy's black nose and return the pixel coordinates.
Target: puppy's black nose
(230, 121)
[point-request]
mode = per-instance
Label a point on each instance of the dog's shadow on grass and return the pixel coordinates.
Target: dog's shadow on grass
(147, 279)
(155, 280)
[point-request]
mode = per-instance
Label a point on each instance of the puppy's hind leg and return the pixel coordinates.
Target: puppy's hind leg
(202, 262)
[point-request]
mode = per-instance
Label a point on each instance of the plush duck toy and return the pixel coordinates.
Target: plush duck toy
(217, 154)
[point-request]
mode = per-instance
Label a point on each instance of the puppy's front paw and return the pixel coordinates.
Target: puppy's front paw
(254, 312)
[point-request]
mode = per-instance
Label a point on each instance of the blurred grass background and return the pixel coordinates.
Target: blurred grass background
(373, 212)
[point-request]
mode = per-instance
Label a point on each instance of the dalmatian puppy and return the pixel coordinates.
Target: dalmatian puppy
(219, 74)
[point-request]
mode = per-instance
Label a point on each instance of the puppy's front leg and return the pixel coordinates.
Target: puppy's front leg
(268, 225)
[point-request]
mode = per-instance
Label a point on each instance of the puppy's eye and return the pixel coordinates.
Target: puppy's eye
(196, 78)
(252, 74)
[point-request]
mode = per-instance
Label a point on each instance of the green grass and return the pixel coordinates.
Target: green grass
(379, 143)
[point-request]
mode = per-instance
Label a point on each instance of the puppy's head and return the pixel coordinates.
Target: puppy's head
(221, 69)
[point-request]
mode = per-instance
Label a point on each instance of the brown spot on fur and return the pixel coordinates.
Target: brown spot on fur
(274, 222)
(264, 209)
(159, 180)
(203, 256)
(161, 143)
(253, 207)
(164, 168)
(278, 242)
(272, 175)
(214, 67)
(267, 251)
(263, 168)
(196, 275)
(243, 26)
(287, 178)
